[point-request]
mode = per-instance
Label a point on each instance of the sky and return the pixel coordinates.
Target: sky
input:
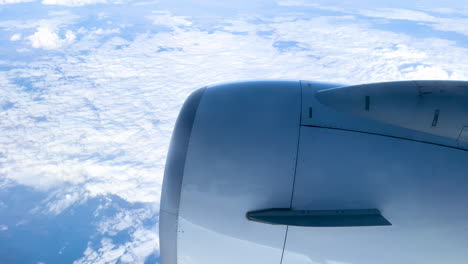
(90, 90)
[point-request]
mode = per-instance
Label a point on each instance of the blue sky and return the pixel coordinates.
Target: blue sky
(90, 90)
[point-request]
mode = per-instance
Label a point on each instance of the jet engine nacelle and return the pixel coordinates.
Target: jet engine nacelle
(307, 172)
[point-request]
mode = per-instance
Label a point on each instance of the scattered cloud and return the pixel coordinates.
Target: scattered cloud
(70, 3)
(5, 2)
(336, 262)
(397, 13)
(101, 31)
(143, 242)
(421, 17)
(298, 3)
(165, 18)
(45, 38)
(74, 2)
(143, 3)
(437, 23)
(15, 37)
(60, 200)
(55, 21)
(314, 4)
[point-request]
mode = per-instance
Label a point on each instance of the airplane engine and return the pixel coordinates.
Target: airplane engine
(307, 172)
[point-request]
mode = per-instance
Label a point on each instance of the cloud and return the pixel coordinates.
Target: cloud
(438, 23)
(60, 200)
(312, 4)
(298, 3)
(143, 242)
(143, 3)
(74, 2)
(427, 72)
(398, 13)
(96, 119)
(421, 17)
(15, 37)
(101, 31)
(55, 20)
(107, 115)
(336, 262)
(5, 2)
(165, 18)
(70, 3)
(45, 38)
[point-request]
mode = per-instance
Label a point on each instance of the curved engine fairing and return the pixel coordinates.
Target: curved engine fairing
(251, 146)
(437, 108)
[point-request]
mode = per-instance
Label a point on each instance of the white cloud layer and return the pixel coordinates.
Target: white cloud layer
(103, 120)
(96, 119)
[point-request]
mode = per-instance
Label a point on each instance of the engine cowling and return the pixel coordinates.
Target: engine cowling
(248, 146)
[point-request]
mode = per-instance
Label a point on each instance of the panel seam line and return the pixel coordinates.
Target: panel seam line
(295, 166)
(390, 136)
